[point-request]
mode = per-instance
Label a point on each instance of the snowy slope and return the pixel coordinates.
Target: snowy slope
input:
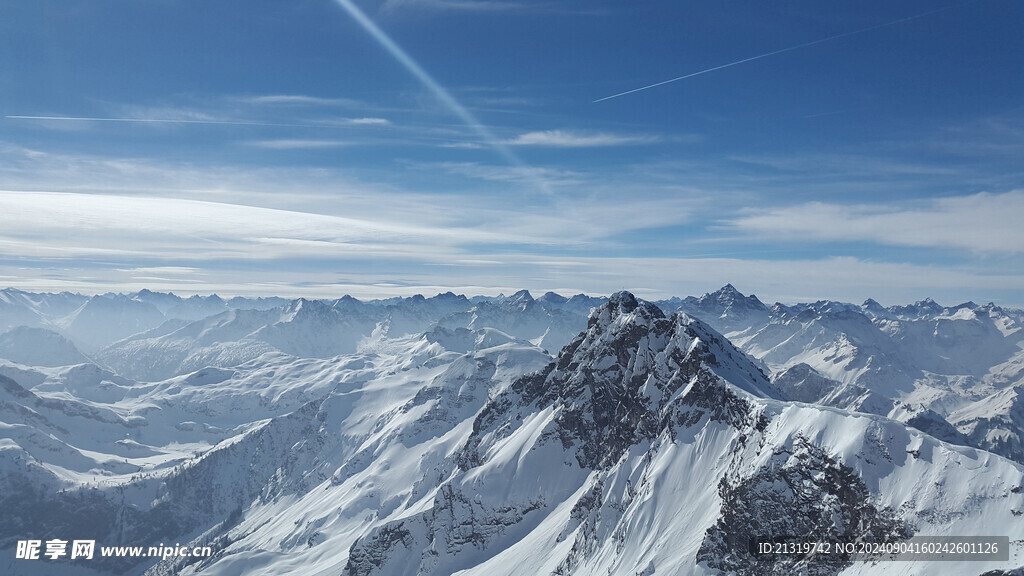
(18, 308)
(177, 347)
(550, 325)
(659, 457)
(303, 328)
(995, 423)
(649, 445)
(918, 363)
(102, 320)
(38, 347)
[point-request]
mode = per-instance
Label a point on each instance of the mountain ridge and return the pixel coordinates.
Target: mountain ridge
(645, 444)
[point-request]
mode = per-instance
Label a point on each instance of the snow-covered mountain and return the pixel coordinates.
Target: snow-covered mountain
(321, 329)
(414, 315)
(726, 309)
(923, 364)
(105, 319)
(672, 449)
(38, 347)
(191, 308)
(549, 324)
(19, 308)
(339, 440)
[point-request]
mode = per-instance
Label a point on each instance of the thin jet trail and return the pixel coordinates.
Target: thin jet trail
(417, 71)
(773, 53)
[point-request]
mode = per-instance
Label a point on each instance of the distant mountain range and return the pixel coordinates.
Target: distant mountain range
(509, 435)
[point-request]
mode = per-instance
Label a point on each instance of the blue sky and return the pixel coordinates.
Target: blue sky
(325, 147)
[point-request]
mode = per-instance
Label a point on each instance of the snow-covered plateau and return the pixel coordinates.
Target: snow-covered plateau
(508, 435)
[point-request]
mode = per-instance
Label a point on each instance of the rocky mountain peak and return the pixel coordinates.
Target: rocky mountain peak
(919, 310)
(619, 381)
(874, 309)
(590, 300)
(521, 297)
(303, 309)
(553, 298)
(729, 300)
(624, 307)
(449, 296)
(928, 306)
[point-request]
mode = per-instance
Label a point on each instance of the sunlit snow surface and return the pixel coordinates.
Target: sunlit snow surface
(322, 439)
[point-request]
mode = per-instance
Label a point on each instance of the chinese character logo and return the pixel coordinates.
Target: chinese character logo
(82, 549)
(56, 548)
(28, 549)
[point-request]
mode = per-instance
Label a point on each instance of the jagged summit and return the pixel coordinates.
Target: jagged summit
(726, 309)
(628, 323)
(928, 306)
(615, 381)
(302, 308)
(553, 298)
(520, 298)
(920, 309)
(730, 297)
(449, 296)
(623, 303)
(726, 293)
(872, 307)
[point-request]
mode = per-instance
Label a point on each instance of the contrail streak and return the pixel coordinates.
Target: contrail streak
(432, 85)
(773, 53)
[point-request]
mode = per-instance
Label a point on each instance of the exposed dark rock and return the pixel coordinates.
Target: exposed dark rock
(362, 559)
(803, 494)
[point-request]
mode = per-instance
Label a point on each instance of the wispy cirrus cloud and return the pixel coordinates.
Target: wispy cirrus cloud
(47, 120)
(984, 223)
(847, 165)
(462, 145)
(164, 270)
(517, 174)
(171, 112)
(983, 138)
(297, 144)
(271, 111)
(308, 189)
(123, 208)
(299, 100)
(69, 225)
(268, 109)
(369, 121)
(338, 122)
(572, 139)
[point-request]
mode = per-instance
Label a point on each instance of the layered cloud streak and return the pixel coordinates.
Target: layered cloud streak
(983, 223)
